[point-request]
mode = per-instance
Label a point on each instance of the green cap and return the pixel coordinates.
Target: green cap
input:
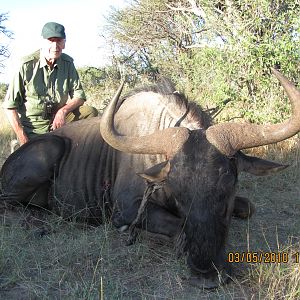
(52, 29)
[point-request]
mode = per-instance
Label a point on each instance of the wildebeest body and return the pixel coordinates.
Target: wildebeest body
(150, 128)
(81, 183)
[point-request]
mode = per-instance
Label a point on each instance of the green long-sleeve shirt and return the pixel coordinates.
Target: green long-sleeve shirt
(36, 83)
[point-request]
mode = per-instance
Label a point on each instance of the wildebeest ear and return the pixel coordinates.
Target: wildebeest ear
(157, 173)
(257, 166)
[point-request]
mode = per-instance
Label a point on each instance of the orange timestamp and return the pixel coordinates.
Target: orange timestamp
(261, 257)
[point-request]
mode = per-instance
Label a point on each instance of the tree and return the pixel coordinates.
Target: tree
(4, 34)
(99, 84)
(215, 50)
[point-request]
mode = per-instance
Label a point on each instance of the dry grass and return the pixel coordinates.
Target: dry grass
(279, 280)
(6, 135)
(44, 257)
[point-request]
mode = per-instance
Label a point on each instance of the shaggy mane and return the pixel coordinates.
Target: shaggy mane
(166, 88)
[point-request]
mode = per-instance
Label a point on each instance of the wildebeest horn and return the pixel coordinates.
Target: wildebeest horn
(231, 137)
(167, 141)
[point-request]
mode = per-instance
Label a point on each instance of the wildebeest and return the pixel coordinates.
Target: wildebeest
(153, 137)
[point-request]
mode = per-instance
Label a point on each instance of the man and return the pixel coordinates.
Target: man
(46, 93)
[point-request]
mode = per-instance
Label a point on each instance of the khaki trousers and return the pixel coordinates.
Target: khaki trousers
(81, 112)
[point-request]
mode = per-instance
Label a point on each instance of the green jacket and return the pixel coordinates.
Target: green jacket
(35, 83)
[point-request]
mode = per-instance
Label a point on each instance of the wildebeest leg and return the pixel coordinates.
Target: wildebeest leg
(159, 220)
(30, 169)
(155, 219)
(40, 196)
(150, 189)
(243, 208)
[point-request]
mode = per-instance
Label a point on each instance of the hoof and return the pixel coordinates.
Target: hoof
(123, 228)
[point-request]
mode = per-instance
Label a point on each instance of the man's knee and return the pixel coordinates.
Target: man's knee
(81, 113)
(87, 111)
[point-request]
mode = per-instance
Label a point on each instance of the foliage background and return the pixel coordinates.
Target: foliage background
(213, 50)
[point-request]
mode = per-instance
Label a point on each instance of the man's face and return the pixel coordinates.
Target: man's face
(52, 48)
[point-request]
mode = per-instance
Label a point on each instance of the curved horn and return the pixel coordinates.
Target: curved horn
(167, 141)
(231, 137)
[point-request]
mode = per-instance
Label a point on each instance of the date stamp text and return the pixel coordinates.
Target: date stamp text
(262, 257)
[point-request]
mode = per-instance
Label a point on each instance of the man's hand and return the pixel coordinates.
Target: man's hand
(59, 119)
(14, 120)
